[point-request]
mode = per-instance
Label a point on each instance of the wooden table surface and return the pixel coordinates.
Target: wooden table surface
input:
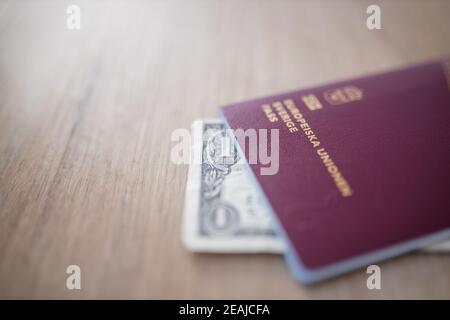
(86, 118)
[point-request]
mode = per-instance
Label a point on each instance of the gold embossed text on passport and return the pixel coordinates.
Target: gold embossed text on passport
(295, 121)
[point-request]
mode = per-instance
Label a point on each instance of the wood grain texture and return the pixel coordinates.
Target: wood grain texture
(85, 124)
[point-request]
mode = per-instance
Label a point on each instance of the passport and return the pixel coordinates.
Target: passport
(363, 167)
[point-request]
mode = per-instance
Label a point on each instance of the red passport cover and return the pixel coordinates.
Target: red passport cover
(366, 173)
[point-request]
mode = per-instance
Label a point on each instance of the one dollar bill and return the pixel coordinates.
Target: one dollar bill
(223, 211)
